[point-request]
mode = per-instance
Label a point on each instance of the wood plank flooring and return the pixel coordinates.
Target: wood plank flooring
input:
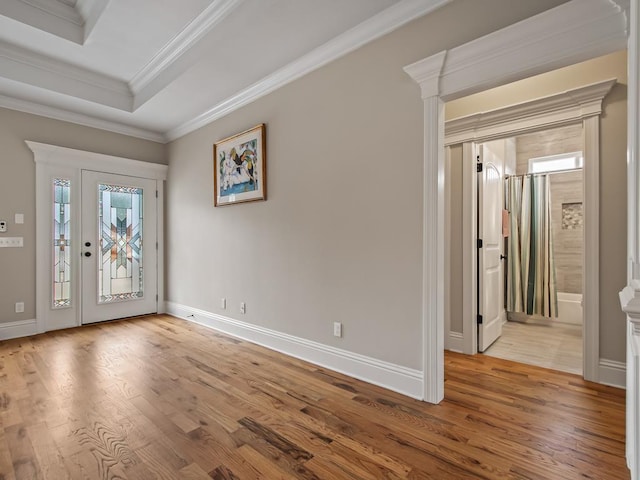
(159, 398)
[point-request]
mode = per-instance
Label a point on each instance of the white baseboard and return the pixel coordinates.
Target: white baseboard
(400, 379)
(21, 328)
(613, 373)
(454, 342)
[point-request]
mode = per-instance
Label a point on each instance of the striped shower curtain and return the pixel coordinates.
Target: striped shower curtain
(531, 274)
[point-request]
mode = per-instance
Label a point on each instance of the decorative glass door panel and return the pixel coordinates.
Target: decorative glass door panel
(61, 243)
(120, 267)
(118, 246)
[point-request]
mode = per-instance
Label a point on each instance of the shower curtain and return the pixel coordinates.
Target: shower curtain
(531, 274)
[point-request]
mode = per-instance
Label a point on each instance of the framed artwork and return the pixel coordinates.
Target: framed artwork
(239, 163)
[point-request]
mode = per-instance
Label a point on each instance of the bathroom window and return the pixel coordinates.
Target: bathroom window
(556, 163)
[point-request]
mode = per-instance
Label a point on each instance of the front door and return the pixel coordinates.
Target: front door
(490, 301)
(118, 246)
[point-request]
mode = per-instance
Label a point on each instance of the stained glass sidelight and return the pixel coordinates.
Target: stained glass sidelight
(120, 265)
(61, 243)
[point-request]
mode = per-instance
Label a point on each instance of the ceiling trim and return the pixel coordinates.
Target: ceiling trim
(91, 12)
(26, 66)
(56, 113)
(57, 18)
(369, 30)
(142, 84)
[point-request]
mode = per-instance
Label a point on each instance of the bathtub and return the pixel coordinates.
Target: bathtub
(569, 311)
(570, 308)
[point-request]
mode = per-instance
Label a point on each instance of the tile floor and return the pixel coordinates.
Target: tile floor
(557, 346)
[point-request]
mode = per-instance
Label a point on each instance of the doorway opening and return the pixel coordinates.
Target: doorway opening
(538, 231)
(576, 128)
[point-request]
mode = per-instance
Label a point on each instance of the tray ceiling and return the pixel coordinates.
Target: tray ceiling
(159, 69)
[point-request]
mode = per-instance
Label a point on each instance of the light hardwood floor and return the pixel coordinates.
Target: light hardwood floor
(556, 346)
(159, 398)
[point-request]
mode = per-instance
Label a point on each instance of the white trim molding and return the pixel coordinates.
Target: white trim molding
(81, 159)
(161, 70)
(384, 22)
(555, 110)
(400, 379)
(454, 341)
(612, 373)
(57, 113)
(572, 32)
(18, 329)
(630, 301)
(57, 18)
(24, 65)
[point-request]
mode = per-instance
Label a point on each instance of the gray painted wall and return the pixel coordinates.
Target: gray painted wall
(17, 195)
(340, 237)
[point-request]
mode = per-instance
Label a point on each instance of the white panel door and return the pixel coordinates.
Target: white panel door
(119, 246)
(490, 301)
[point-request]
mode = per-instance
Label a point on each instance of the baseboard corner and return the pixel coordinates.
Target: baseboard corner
(612, 373)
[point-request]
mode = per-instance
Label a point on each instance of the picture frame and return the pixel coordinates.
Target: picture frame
(239, 167)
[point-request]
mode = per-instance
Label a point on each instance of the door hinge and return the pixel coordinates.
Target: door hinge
(479, 243)
(479, 319)
(156, 245)
(478, 167)
(157, 300)
(156, 193)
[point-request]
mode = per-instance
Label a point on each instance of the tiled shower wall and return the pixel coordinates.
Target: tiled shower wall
(566, 200)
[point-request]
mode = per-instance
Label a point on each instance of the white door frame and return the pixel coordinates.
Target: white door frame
(570, 33)
(54, 161)
(579, 105)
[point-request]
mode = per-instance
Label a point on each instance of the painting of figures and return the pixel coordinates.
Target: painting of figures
(239, 167)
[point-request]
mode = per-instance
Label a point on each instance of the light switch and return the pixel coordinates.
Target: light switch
(19, 218)
(11, 241)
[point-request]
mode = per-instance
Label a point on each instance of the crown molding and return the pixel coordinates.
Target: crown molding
(26, 66)
(55, 113)
(142, 83)
(369, 30)
(91, 12)
(57, 18)
(554, 110)
(587, 28)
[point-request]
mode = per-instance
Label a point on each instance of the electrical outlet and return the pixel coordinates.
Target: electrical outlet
(223, 303)
(243, 307)
(337, 329)
(19, 307)
(3, 226)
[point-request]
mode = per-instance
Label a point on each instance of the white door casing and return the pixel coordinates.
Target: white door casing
(100, 246)
(59, 162)
(490, 186)
(544, 42)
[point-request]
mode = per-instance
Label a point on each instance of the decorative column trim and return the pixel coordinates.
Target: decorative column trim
(427, 74)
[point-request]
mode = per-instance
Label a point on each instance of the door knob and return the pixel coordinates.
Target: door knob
(87, 254)
(503, 257)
